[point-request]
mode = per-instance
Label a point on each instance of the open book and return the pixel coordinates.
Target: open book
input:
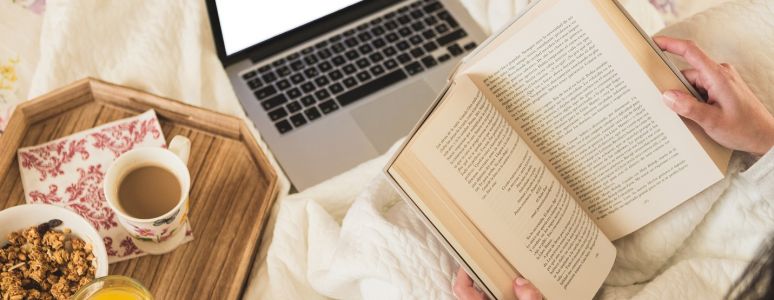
(550, 141)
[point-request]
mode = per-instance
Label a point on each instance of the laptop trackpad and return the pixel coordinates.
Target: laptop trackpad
(393, 115)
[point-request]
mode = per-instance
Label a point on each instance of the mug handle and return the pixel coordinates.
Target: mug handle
(180, 146)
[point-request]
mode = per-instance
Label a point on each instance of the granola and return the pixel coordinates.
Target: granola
(42, 263)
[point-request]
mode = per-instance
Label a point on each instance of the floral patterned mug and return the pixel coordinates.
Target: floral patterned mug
(164, 233)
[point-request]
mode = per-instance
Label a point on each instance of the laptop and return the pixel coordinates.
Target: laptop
(331, 84)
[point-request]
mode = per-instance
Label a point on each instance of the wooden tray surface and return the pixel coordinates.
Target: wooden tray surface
(233, 184)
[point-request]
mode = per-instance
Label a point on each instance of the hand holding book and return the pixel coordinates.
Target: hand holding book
(733, 116)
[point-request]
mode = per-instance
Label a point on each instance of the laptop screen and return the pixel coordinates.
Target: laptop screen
(246, 23)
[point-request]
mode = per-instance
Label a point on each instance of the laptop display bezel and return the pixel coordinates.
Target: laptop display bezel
(292, 37)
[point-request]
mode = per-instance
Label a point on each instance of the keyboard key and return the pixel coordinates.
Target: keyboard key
(431, 20)
(311, 72)
(335, 75)
(274, 102)
(365, 49)
(444, 57)
(255, 83)
(470, 46)
(404, 58)
(403, 19)
(324, 53)
(417, 14)
(376, 57)
(416, 40)
(379, 43)
(265, 92)
(377, 20)
(362, 27)
(418, 26)
(264, 68)
(249, 75)
(297, 78)
(278, 62)
(414, 68)
(283, 126)
(278, 113)
(312, 113)
(451, 37)
(321, 81)
(292, 57)
(455, 49)
(336, 88)
(349, 32)
(269, 77)
(351, 42)
(390, 25)
(321, 45)
(307, 87)
(390, 64)
(307, 50)
(363, 76)
(432, 7)
(352, 54)
(403, 9)
(335, 38)
(430, 46)
(442, 28)
(325, 66)
(322, 95)
(296, 65)
(392, 37)
(283, 84)
(308, 100)
(365, 36)
(298, 120)
(328, 106)
(350, 82)
(404, 31)
(377, 30)
(311, 59)
(417, 52)
(293, 107)
(428, 34)
(377, 70)
(283, 71)
(389, 51)
(349, 69)
(363, 63)
(429, 62)
(338, 47)
(338, 60)
(294, 93)
(402, 45)
(371, 87)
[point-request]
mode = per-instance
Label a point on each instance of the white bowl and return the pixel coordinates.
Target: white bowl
(25, 216)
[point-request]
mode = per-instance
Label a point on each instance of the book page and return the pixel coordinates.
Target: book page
(507, 192)
(570, 87)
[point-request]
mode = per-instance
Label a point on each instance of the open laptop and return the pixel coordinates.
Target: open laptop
(333, 83)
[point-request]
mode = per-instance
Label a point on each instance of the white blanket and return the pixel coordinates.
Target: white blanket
(353, 238)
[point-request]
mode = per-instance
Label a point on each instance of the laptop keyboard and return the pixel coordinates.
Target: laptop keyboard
(307, 85)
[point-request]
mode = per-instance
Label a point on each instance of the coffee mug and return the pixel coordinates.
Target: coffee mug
(165, 232)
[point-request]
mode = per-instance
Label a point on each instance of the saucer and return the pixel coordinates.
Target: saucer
(167, 246)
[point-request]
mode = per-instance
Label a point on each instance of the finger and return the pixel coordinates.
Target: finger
(525, 290)
(694, 77)
(687, 106)
(688, 50)
(463, 287)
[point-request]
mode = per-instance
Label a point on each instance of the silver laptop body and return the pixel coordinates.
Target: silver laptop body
(361, 119)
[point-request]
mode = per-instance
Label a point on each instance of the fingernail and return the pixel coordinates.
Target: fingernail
(522, 281)
(669, 97)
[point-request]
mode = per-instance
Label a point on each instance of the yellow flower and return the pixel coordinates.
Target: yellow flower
(8, 74)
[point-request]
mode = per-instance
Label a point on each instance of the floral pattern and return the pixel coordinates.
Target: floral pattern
(69, 172)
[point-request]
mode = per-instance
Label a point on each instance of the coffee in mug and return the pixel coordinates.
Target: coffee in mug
(148, 192)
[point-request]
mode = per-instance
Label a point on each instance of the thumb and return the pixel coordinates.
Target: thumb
(525, 290)
(686, 105)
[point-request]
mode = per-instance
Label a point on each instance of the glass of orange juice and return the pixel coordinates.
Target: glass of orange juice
(113, 287)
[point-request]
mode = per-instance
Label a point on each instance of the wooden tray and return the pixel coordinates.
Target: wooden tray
(233, 184)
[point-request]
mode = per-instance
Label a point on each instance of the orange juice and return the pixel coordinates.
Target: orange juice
(113, 287)
(116, 294)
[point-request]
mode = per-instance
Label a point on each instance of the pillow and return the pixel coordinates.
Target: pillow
(740, 33)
